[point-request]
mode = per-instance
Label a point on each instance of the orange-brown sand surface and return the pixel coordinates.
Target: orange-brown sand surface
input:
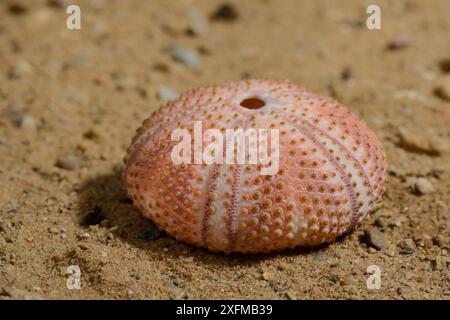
(71, 100)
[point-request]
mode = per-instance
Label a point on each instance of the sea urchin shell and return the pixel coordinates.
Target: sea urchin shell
(331, 170)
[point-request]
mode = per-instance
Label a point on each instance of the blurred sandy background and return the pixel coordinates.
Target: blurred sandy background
(70, 101)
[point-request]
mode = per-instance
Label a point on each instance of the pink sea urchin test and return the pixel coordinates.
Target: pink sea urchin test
(330, 169)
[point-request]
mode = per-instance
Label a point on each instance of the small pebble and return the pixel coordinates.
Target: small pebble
(438, 241)
(187, 56)
(267, 276)
(375, 238)
(124, 82)
(350, 289)
(84, 236)
(408, 243)
(79, 60)
(69, 162)
(18, 294)
(346, 73)
(130, 293)
(334, 279)
(408, 275)
(444, 65)
(379, 222)
(26, 122)
(399, 42)
(20, 69)
(225, 12)
(60, 4)
(18, 7)
(417, 142)
(198, 24)
(399, 291)
(372, 250)
(164, 93)
(390, 254)
(188, 259)
(406, 250)
(442, 91)
(441, 262)
(320, 256)
(423, 186)
(291, 295)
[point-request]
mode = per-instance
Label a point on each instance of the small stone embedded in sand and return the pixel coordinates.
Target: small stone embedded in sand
(441, 262)
(20, 70)
(165, 93)
(444, 65)
(18, 294)
(423, 186)
(225, 12)
(18, 7)
(375, 238)
(379, 222)
(320, 256)
(442, 91)
(79, 60)
(291, 295)
(399, 42)
(439, 240)
(346, 73)
(124, 81)
(26, 122)
(69, 162)
(187, 56)
(407, 246)
(198, 24)
(59, 4)
(350, 289)
(413, 140)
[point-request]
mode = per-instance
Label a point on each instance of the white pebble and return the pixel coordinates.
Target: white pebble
(165, 93)
(423, 186)
(187, 56)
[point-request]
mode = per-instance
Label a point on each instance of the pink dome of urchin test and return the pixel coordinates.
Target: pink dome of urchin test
(331, 170)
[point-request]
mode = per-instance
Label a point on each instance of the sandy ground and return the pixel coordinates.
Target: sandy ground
(71, 100)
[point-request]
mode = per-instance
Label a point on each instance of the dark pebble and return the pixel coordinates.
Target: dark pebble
(17, 8)
(334, 279)
(406, 250)
(59, 4)
(225, 12)
(444, 65)
(379, 222)
(149, 233)
(94, 217)
(399, 291)
(346, 74)
(374, 238)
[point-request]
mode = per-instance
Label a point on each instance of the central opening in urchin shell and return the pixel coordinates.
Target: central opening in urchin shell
(253, 103)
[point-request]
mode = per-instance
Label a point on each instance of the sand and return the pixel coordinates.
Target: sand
(71, 100)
